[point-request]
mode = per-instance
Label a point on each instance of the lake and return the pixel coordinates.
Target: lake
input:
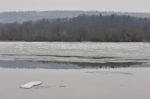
(73, 55)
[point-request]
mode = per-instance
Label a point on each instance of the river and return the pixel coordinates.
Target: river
(73, 55)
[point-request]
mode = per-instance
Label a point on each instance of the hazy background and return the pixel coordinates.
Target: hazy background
(101, 5)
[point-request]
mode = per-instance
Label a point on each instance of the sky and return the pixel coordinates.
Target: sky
(85, 5)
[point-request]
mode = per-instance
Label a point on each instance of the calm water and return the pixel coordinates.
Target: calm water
(64, 55)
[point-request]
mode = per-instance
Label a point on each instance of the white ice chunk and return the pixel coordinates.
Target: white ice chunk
(31, 84)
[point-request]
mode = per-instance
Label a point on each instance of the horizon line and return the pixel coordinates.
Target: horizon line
(99, 11)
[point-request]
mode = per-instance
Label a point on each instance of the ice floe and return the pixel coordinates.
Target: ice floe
(31, 84)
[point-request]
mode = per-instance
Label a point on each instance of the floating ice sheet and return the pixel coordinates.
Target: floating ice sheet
(31, 84)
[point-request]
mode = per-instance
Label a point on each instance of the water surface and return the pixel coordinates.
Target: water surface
(68, 55)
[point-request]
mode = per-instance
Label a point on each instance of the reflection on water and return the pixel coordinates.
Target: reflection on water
(74, 55)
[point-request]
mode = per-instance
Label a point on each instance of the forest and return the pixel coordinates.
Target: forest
(95, 28)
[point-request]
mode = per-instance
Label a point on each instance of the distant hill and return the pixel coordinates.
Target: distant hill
(10, 17)
(98, 28)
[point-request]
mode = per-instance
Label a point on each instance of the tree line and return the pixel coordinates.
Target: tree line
(112, 28)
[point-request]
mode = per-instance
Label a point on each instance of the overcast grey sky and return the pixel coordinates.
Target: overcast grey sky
(100, 5)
